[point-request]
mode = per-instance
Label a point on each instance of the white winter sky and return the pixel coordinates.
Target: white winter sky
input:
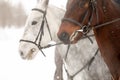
(12, 67)
(28, 4)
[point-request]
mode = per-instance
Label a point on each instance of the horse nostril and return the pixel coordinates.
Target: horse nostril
(21, 53)
(33, 49)
(64, 36)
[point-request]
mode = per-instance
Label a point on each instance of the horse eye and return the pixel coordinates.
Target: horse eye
(34, 22)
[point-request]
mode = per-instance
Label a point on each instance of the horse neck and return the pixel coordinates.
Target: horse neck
(108, 37)
(54, 16)
(107, 10)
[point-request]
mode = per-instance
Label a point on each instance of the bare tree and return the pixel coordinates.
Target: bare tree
(19, 15)
(11, 15)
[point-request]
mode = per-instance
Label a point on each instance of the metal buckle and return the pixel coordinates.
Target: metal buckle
(85, 29)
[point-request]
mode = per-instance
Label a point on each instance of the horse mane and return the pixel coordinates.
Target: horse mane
(116, 3)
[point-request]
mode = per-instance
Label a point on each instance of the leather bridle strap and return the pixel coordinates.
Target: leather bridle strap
(72, 21)
(107, 23)
(48, 28)
(40, 31)
(39, 10)
(44, 20)
(34, 44)
(87, 65)
(85, 28)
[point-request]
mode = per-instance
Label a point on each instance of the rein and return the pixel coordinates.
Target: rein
(107, 23)
(88, 64)
(40, 33)
(85, 29)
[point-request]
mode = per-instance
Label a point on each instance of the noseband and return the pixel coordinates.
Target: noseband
(84, 28)
(41, 31)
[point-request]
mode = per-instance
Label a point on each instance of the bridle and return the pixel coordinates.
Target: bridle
(41, 31)
(85, 29)
(86, 65)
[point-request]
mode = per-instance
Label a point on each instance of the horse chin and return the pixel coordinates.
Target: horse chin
(74, 42)
(76, 39)
(28, 51)
(67, 42)
(71, 42)
(30, 56)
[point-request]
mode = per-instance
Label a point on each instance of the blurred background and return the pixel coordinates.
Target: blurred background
(13, 15)
(14, 12)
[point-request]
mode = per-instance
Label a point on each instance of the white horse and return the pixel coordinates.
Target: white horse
(29, 50)
(78, 55)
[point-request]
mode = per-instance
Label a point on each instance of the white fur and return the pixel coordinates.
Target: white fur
(79, 53)
(31, 31)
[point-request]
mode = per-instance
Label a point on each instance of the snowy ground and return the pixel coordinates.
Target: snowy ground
(12, 67)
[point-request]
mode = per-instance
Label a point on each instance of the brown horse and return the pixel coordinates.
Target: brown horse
(103, 16)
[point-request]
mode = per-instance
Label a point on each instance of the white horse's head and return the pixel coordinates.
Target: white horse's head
(37, 34)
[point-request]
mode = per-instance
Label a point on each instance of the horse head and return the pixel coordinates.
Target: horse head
(41, 27)
(77, 18)
(29, 44)
(103, 16)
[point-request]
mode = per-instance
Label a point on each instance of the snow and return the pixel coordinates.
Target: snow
(13, 67)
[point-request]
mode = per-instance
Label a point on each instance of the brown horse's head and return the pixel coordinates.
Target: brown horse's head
(76, 17)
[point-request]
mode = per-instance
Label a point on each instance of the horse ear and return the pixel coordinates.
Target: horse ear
(68, 3)
(82, 3)
(44, 2)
